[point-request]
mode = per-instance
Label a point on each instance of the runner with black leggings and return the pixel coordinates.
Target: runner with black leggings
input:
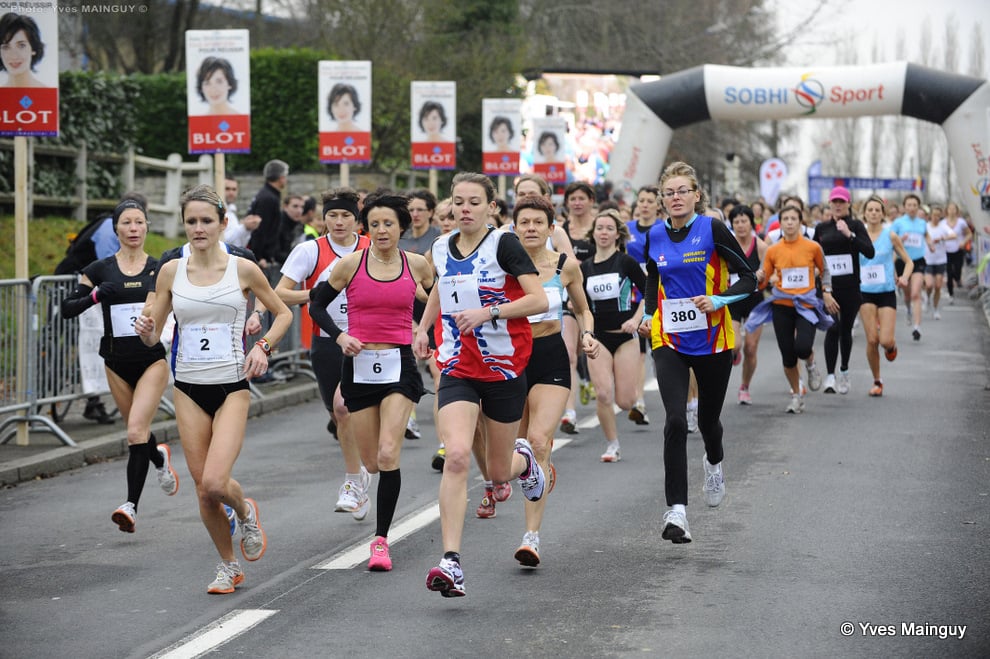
(843, 239)
(686, 317)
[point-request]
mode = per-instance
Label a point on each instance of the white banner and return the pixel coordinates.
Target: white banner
(797, 93)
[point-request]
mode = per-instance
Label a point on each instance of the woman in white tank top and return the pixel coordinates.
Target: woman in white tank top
(208, 290)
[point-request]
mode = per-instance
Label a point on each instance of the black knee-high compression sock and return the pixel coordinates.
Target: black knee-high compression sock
(153, 453)
(137, 471)
(389, 484)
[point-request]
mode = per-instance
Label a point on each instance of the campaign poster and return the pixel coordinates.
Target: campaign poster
(218, 91)
(433, 128)
(549, 149)
(29, 69)
(344, 98)
(501, 121)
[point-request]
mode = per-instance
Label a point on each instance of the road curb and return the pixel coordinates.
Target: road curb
(114, 445)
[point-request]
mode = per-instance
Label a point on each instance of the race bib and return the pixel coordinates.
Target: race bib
(794, 278)
(553, 308)
(459, 293)
(603, 287)
(680, 315)
(872, 275)
(377, 366)
(122, 317)
(206, 343)
(840, 264)
(915, 240)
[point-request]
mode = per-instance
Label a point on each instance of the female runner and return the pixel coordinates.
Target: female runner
(380, 382)
(790, 266)
(207, 291)
(688, 287)
(743, 222)
(879, 286)
(487, 287)
(609, 277)
(547, 374)
(137, 374)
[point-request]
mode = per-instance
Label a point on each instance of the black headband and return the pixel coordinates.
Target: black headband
(123, 206)
(339, 203)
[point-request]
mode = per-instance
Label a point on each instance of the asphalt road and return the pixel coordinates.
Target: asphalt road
(871, 512)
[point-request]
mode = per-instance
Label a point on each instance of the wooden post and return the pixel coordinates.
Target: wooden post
(82, 191)
(219, 172)
(173, 183)
(345, 174)
(433, 181)
(501, 186)
(21, 271)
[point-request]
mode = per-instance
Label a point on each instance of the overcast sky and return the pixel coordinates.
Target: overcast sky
(864, 23)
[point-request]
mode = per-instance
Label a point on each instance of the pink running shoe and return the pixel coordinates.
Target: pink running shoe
(486, 509)
(380, 560)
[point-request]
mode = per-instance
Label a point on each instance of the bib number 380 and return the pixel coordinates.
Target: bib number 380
(680, 315)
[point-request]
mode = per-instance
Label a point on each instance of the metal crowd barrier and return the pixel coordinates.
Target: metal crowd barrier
(292, 358)
(23, 357)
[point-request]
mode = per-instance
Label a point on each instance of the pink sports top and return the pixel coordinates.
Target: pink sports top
(381, 311)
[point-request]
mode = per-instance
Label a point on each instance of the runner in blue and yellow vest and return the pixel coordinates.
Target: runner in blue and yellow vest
(689, 259)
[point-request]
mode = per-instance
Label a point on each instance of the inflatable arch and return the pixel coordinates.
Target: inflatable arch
(960, 104)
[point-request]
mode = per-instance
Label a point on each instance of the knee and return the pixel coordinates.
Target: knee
(541, 447)
(626, 401)
(211, 490)
(339, 410)
(457, 460)
(675, 426)
(137, 435)
(605, 397)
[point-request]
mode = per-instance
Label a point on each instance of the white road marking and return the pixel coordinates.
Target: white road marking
(216, 633)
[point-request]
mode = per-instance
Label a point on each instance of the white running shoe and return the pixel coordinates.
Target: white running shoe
(796, 405)
(364, 499)
(348, 497)
(692, 419)
(254, 542)
(125, 517)
(675, 527)
(829, 384)
(532, 481)
(528, 553)
(611, 453)
(229, 576)
(842, 382)
(814, 376)
(167, 479)
(714, 483)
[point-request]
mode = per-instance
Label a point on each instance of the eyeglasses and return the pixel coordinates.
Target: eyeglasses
(683, 192)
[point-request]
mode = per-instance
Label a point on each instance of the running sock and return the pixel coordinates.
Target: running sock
(570, 414)
(153, 453)
(489, 485)
(452, 556)
(679, 508)
(389, 484)
(353, 477)
(692, 404)
(137, 471)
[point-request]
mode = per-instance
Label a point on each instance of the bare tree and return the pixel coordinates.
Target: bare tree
(977, 52)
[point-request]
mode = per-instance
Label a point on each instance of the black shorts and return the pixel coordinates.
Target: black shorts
(935, 269)
(131, 370)
(328, 361)
(919, 267)
(210, 397)
(549, 363)
(880, 300)
(740, 310)
(613, 340)
(361, 396)
(500, 400)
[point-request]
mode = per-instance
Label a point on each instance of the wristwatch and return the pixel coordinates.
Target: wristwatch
(827, 289)
(494, 311)
(264, 345)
